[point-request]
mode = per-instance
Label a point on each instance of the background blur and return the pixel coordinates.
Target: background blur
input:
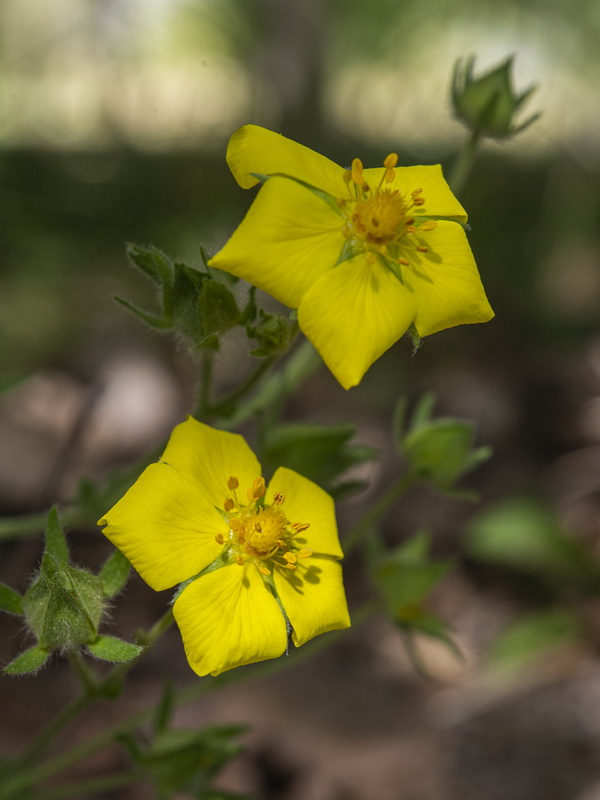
(115, 119)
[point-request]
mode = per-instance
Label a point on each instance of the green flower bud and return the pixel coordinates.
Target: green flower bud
(488, 104)
(273, 334)
(64, 605)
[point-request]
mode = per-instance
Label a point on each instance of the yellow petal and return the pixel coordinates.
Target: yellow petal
(209, 457)
(287, 240)
(439, 200)
(257, 150)
(228, 618)
(446, 281)
(305, 502)
(165, 527)
(353, 314)
(313, 597)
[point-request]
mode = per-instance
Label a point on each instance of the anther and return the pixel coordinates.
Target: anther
(239, 560)
(235, 525)
(300, 526)
(264, 571)
(422, 249)
(390, 161)
(290, 558)
(278, 499)
(228, 504)
(257, 489)
(415, 192)
(357, 172)
(347, 175)
(419, 201)
(304, 553)
(219, 538)
(232, 483)
(404, 261)
(291, 567)
(428, 226)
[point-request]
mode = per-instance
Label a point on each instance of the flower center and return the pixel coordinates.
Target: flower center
(384, 223)
(260, 533)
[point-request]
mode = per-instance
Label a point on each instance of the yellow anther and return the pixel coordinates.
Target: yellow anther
(290, 558)
(279, 498)
(410, 229)
(239, 560)
(291, 567)
(419, 201)
(228, 504)
(219, 538)
(390, 174)
(415, 192)
(390, 161)
(300, 526)
(304, 553)
(264, 570)
(428, 226)
(422, 249)
(257, 489)
(404, 261)
(232, 483)
(347, 175)
(235, 525)
(357, 172)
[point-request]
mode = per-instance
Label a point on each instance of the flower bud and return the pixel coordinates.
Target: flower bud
(488, 104)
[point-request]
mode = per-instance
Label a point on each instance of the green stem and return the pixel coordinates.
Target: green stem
(60, 721)
(464, 162)
(374, 514)
(30, 524)
(224, 405)
(94, 786)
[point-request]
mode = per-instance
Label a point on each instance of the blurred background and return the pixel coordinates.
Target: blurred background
(115, 120)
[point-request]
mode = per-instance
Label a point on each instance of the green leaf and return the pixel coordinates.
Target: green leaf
(29, 661)
(114, 573)
(145, 316)
(56, 541)
(10, 600)
(152, 262)
(109, 648)
(533, 636)
(273, 333)
(523, 533)
(218, 308)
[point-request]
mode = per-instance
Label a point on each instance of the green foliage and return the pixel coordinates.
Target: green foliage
(523, 534)
(56, 541)
(273, 333)
(10, 600)
(488, 104)
(64, 605)
(184, 761)
(319, 452)
(195, 303)
(109, 648)
(532, 636)
(114, 573)
(438, 451)
(29, 661)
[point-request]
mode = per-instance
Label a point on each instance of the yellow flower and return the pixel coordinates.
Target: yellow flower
(361, 253)
(255, 557)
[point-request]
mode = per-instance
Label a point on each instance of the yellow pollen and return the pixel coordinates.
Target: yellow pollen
(257, 489)
(263, 531)
(300, 526)
(278, 499)
(389, 175)
(304, 553)
(292, 567)
(390, 161)
(232, 483)
(219, 538)
(357, 172)
(430, 225)
(264, 570)
(415, 192)
(380, 218)
(236, 525)
(228, 504)
(404, 261)
(419, 201)
(290, 558)
(422, 249)
(239, 560)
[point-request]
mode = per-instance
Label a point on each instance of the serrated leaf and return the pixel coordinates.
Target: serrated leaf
(114, 573)
(109, 648)
(218, 308)
(10, 600)
(29, 661)
(152, 262)
(56, 541)
(145, 316)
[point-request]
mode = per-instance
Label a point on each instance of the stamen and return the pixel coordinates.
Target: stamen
(422, 249)
(232, 483)
(300, 526)
(239, 560)
(264, 570)
(290, 558)
(278, 499)
(390, 161)
(219, 538)
(257, 489)
(419, 201)
(357, 172)
(291, 567)
(404, 261)
(416, 192)
(428, 226)
(228, 504)
(236, 525)
(304, 553)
